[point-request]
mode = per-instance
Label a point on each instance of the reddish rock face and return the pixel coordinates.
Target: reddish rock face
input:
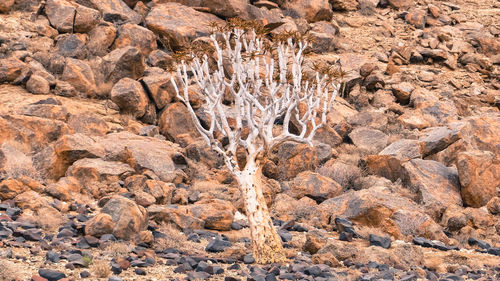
(79, 74)
(179, 24)
(216, 214)
(435, 185)
(314, 186)
(10, 69)
(176, 121)
(116, 11)
(135, 36)
(479, 173)
(130, 97)
(6, 5)
(311, 10)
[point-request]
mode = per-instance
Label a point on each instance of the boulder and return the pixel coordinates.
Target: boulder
(124, 62)
(179, 24)
(49, 111)
(65, 189)
(479, 174)
(402, 92)
(88, 124)
(379, 208)
(10, 188)
(10, 69)
(79, 74)
(116, 11)
(61, 14)
(216, 214)
(100, 39)
(130, 97)
(435, 139)
(85, 19)
(160, 87)
(401, 4)
(369, 139)
(175, 121)
(33, 133)
(144, 153)
(287, 208)
(135, 36)
(98, 177)
(292, 158)
(99, 225)
(38, 85)
(323, 34)
(14, 162)
(72, 45)
(344, 5)
(311, 10)
(435, 185)
(128, 218)
(178, 215)
(6, 5)
(403, 150)
(227, 8)
(386, 166)
(314, 186)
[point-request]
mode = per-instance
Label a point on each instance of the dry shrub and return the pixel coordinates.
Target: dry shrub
(101, 269)
(118, 249)
(175, 239)
(345, 174)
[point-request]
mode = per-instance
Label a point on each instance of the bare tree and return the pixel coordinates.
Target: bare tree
(266, 91)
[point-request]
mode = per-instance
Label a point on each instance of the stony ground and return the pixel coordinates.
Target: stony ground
(104, 177)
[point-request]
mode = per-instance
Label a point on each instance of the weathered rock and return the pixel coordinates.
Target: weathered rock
(6, 5)
(315, 186)
(128, 218)
(61, 14)
(435, 139)
(99, 225)
(293, 158)
(324, 36)
(179, 24)
(216, 214)
(98, 177)
(375, 207)
(161, 88)
(178, 215)
(14, 162)
(79, 74)
(386, 166)
(71, 45)
(135, 36)
(37, 85)
(227, 8)
(88, 124)
(479, 174)
(144, 153)
(493, 205)
(66, 189)
(403, 149)
(49, 111)
(51, 275)
(129, 95)
(124, 62)
(312, 11)
(416, 18)
(116, 11)
(402, 92)
(344, 5)
(369, 139)
(436, 185)
(10, 188)
(85, 19)
(101, 38)
(401, 4)
(175, 120)
(10, 69)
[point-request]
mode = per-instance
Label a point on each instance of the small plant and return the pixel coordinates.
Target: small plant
(86, 260)
(101, 269)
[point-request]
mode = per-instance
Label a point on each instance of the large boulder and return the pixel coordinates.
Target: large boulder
(123, 62)
(377, 207)
(179, 24)
(98, 177)
(10, 69)
(79, 74)
(175, 121)
(144, 153)
(311, 10)
(128, 218)
(160, 87)
(314, 186)
(130, 97)
(116, 11)
(369, 139)
(6, 5)
(178, 215)
(435, 185)
(135, 36)
(101, 38)
(61, 14)
(10, 188)
(216, 214)
(479, 174)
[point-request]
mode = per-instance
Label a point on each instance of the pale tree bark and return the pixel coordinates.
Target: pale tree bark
(266, 242)
(259, 99)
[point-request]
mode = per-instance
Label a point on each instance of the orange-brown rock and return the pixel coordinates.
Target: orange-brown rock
(130, 97)
(128, 218)
(6, 5)
(116, 11)
(178, 215)
(85, 19)
(314, 186)
(37, 85)
(386, 166)
(79, 74)
(293, 158)
(312, 10)
(65, 189)
(369, 139)
(61, 14)
(100, 224)
(123, 62)
(179, 24)
(10, 69)
(88, 124)
(344, 5)
(10, 188)
(135, 36)
(479, 173)
(50, 111)
(175, 120)
(216, 214)
(435, 185)
(101, 38)
(160, 87)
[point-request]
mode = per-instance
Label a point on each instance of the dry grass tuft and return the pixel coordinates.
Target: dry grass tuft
(178, 240)
(101, 269)
(118, 249)
(345, 174)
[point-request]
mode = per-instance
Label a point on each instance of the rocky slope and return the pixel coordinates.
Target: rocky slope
(102, 173)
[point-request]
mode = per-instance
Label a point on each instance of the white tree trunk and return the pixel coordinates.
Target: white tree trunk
(266, 243)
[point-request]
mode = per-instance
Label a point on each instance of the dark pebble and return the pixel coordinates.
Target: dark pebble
(217, 245)
(84, 274)
(140, 271)
(384, 242)
(51, 275)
